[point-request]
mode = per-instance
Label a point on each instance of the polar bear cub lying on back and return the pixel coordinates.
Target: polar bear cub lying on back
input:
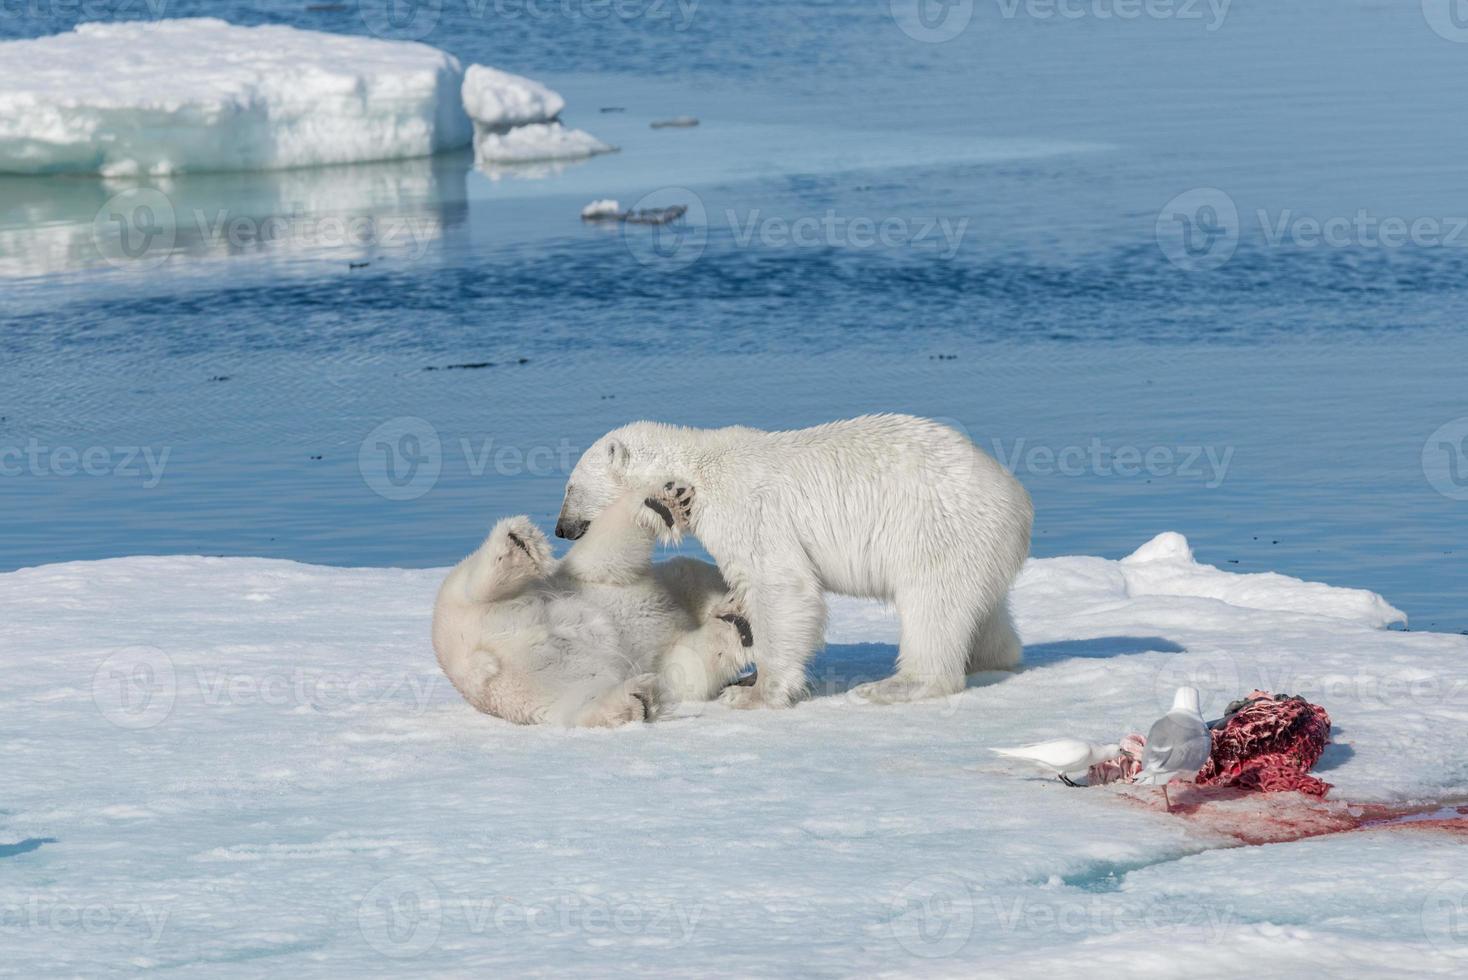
(603, 636)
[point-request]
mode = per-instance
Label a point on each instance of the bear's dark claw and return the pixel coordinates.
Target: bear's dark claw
(643, 700)
(746, 635)
(663, 512)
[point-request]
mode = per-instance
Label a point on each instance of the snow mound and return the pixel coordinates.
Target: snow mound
(200, 94)
(1165, 566)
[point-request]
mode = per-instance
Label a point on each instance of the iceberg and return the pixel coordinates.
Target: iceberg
(171, 96)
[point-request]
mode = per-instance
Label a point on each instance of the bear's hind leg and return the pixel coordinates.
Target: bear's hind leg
(996, 645)
(514, 554)
(633, 700)
(932, 653)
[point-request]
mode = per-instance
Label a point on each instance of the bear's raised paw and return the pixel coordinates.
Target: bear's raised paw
(672, 502)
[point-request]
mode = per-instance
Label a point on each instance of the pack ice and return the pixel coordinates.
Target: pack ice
(172, 96)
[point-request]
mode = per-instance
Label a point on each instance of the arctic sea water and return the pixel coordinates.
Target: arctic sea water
(1195, 273)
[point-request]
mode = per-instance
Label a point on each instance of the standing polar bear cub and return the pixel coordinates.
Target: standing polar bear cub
(884, 506)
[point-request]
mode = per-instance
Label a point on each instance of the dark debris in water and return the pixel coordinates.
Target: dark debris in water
(471, 365)
(646, 216)
(655, 216)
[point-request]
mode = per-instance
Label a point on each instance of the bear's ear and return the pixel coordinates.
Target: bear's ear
(618, 455)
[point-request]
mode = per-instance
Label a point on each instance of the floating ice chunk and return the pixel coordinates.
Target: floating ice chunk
(601, 210)
(515, 120)
(536, 142)
(200, 94)
(499, 100)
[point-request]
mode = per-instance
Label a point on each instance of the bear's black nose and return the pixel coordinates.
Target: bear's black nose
(570, 530)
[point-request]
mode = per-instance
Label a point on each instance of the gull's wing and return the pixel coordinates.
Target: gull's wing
(1177, 745)
(1061, 754)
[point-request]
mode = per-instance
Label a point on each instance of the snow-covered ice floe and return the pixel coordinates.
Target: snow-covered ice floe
(515, 121)
(174, 96)
(255, 765)
(170, 96)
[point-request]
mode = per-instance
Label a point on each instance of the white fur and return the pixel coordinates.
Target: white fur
(602, 637)
(883, 506)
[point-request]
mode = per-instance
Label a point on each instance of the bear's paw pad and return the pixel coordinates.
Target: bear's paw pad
(673, 503)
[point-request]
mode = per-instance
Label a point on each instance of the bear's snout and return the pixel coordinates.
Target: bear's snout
(569, 529)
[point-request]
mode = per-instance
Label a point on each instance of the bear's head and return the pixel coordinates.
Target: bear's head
(624, 458)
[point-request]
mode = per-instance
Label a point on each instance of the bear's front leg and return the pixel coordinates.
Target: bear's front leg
(788, 620)
(617, 548)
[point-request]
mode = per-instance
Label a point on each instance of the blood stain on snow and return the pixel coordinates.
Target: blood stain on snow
(1255, 819)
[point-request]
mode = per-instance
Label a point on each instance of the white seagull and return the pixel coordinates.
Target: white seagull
(1177, 746)
(1063, 756)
